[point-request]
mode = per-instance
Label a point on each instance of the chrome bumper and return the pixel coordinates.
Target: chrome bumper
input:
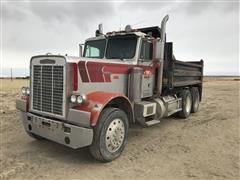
(67, 134)
(74, 132)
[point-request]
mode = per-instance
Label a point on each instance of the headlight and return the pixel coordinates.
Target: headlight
(73, 98)
(79, 99)
(24, 90)
(27, 91)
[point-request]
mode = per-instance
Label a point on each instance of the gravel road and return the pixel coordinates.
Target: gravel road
(204, 146)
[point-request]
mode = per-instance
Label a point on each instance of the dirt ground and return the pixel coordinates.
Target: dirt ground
(204, 146)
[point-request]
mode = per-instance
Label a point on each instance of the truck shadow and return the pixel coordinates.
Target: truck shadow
(51, 150)
(58, 152)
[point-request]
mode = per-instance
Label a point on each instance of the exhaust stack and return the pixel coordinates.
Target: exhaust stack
(161, 59)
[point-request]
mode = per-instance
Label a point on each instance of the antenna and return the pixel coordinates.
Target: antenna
(139, 22)
(11, 75)
(120, 23)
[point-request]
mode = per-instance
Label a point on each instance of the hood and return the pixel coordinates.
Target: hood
(72, 59)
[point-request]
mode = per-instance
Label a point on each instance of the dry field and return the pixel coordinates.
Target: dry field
(204, 146)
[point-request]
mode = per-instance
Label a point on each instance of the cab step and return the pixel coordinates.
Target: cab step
(152, 122)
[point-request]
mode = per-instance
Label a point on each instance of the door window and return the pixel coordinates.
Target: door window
(146, 50)
(95, 49)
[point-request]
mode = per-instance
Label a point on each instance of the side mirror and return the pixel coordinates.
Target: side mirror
(81, 50)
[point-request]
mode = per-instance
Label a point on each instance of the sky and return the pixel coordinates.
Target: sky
(207, 30)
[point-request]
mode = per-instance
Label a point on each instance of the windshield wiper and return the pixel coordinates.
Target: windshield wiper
(116, 57)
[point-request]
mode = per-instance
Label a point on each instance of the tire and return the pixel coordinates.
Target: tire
(110, 135)
(34, 136)
(186, 103)
(195, 99)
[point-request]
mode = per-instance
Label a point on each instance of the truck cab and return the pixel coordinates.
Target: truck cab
(120, 78)
(107, 60)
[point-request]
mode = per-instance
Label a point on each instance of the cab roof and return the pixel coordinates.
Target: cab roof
(154, 31)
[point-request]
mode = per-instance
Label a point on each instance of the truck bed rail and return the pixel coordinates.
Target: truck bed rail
(186, 73)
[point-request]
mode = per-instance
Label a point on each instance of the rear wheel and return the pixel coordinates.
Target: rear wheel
(110, 135)
(195, 99)
(186, 103)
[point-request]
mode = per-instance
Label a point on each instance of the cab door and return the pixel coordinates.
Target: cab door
(146, 62)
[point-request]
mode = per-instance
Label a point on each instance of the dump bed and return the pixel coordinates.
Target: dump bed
(185, 73)
(178, 74)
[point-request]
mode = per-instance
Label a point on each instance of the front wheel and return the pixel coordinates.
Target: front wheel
(110, 135)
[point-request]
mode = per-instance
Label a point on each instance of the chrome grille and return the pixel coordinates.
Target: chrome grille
(47, 89)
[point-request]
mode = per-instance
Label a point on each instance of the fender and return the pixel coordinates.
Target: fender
(98, 100)
(22, 103)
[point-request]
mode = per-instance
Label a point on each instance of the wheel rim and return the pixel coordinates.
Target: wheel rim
(115, 135)
(188, 104)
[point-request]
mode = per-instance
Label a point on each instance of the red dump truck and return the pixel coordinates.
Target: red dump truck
(122, 77)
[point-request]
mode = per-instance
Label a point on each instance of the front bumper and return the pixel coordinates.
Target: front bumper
(74, 132)
(57, 131)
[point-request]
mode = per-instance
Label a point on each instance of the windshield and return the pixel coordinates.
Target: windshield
(95, 49)
(117, 47)
(121, 47)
